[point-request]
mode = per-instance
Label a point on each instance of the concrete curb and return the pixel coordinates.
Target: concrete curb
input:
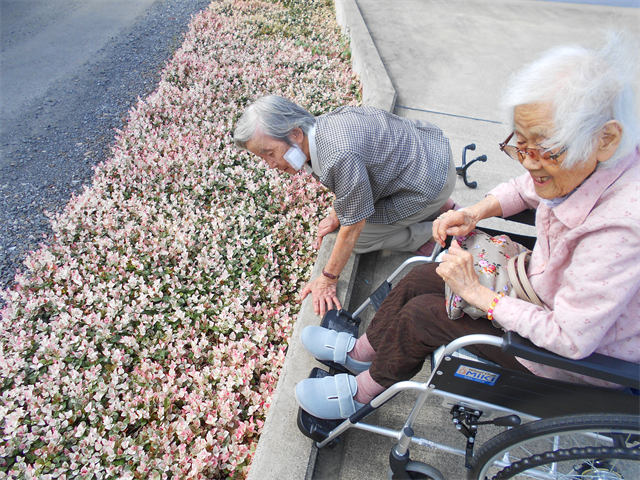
(282, 451)
(377, 89)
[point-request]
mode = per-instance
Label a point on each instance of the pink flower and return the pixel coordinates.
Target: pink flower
(157, 320)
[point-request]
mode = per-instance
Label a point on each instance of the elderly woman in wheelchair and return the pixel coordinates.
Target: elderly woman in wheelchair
(575, 131)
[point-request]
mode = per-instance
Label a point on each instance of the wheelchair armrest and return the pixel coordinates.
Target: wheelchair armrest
(528, 217)
(595, 365)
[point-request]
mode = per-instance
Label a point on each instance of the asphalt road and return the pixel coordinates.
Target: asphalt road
(44, 42)
(69, 72)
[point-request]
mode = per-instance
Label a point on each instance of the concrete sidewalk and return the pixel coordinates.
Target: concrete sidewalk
(444, 62)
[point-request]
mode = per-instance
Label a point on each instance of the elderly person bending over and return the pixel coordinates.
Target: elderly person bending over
(391, 176)
(575, 131)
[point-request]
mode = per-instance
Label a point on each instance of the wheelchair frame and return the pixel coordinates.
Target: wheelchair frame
(607, 420)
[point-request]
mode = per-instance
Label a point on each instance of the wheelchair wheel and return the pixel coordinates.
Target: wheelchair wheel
(603, 447)
(420, 470)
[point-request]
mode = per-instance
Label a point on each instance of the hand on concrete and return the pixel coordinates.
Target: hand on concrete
(324, 293)
(328, 225)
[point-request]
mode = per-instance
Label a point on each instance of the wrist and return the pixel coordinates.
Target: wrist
(330, 276)
(326, 282)
(480, 296)
(474, 216)
(493, 305)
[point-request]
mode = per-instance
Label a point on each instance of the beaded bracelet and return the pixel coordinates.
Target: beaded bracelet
(493, 305)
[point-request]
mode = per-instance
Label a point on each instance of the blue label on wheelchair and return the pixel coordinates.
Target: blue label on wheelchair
(477, 375)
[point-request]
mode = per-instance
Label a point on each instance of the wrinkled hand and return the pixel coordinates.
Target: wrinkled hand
(324, 293)
(326, 226)
(457, 271)
(453, 223)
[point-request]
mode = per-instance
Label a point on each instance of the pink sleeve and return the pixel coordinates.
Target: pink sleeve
(594, 290)
(516, 195)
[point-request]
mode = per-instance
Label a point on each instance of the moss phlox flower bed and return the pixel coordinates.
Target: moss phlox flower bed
(146, 339)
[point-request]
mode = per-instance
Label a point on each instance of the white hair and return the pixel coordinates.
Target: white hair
(586, 89)
(273, 116)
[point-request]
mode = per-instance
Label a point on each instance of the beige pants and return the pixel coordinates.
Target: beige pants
(408, 234)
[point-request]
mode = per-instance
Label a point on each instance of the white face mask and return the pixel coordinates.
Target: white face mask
(295, 157)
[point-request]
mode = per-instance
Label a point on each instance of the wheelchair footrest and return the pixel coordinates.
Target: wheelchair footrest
(340, 321)
(316, 429)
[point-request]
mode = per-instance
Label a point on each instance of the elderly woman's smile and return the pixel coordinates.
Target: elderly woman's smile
(533, 125)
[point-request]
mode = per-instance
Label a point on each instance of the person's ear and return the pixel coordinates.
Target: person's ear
(297, 135)
(609, 140)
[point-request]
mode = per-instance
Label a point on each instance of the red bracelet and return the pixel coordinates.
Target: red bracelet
(330, 275)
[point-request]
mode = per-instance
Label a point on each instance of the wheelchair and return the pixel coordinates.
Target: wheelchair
(554, 429)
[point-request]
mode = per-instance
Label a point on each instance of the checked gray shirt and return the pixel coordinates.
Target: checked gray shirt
(381, 167)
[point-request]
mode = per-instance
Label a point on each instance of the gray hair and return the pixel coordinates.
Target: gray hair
(273, 116)
(586, 89)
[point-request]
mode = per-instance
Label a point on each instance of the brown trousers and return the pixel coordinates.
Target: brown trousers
(412, 322)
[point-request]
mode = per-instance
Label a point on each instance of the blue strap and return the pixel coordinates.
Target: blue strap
(341, 347)
(345, 391)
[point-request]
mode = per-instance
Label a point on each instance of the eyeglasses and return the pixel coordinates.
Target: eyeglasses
(538, 154)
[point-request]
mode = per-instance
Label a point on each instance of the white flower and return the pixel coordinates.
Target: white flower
(156, 321)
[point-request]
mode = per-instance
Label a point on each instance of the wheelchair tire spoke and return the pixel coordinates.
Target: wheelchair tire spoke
(602, 447)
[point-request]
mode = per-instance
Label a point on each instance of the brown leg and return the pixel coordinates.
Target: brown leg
(412, 322)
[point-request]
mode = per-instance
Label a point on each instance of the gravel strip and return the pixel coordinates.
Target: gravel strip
(50, 150)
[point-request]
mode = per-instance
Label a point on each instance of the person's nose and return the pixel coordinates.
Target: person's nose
(530, 163)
